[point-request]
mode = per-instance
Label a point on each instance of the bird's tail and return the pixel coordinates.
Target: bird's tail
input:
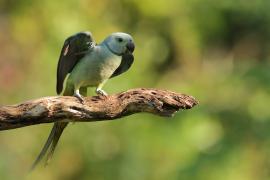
(51, 143)
(56, 132)
(54, 136)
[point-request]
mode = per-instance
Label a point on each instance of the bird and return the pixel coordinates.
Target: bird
(83, 63)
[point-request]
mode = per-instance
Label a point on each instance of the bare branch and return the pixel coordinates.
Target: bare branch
(95, 108)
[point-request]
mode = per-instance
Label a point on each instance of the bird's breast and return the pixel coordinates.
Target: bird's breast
(94, 69)
(108, 65)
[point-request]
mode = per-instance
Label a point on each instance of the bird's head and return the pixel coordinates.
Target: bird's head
(120, 43)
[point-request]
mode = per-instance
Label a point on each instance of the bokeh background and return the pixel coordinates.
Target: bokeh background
(216, 51)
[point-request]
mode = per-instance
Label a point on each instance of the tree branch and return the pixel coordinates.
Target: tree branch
(95, 108)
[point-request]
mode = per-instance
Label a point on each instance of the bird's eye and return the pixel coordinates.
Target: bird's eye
(120, 39)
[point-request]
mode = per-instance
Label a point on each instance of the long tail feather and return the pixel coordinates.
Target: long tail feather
(56, 132)
(50, 143)
(44, 149)
(59, 128)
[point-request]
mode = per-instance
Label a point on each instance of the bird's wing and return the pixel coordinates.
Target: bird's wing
(74, 49)
(126, 62)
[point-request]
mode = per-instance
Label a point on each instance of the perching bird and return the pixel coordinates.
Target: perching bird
(88, 65)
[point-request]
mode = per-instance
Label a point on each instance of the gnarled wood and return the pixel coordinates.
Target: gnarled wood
(95, 108)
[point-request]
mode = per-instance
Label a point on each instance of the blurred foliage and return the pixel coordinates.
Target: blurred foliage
(217, 51)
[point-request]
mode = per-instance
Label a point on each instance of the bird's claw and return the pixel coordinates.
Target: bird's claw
(79, 97)
(100, 92)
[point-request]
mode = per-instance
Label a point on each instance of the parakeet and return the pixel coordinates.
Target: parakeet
(88, 65)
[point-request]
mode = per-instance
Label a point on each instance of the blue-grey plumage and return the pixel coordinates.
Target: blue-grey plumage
(94, 69)
(89, 65)
(99, 64)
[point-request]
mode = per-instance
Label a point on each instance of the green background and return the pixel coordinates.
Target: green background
(216, 51)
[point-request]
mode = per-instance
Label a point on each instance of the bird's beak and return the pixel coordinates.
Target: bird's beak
(130, 46)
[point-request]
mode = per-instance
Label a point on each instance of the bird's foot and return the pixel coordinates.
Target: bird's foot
(100, 92)
(79, 97)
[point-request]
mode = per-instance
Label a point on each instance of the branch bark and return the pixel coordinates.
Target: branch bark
(95, 108)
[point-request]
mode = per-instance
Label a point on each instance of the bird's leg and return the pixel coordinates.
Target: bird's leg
(78, 95)
(101, 92)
